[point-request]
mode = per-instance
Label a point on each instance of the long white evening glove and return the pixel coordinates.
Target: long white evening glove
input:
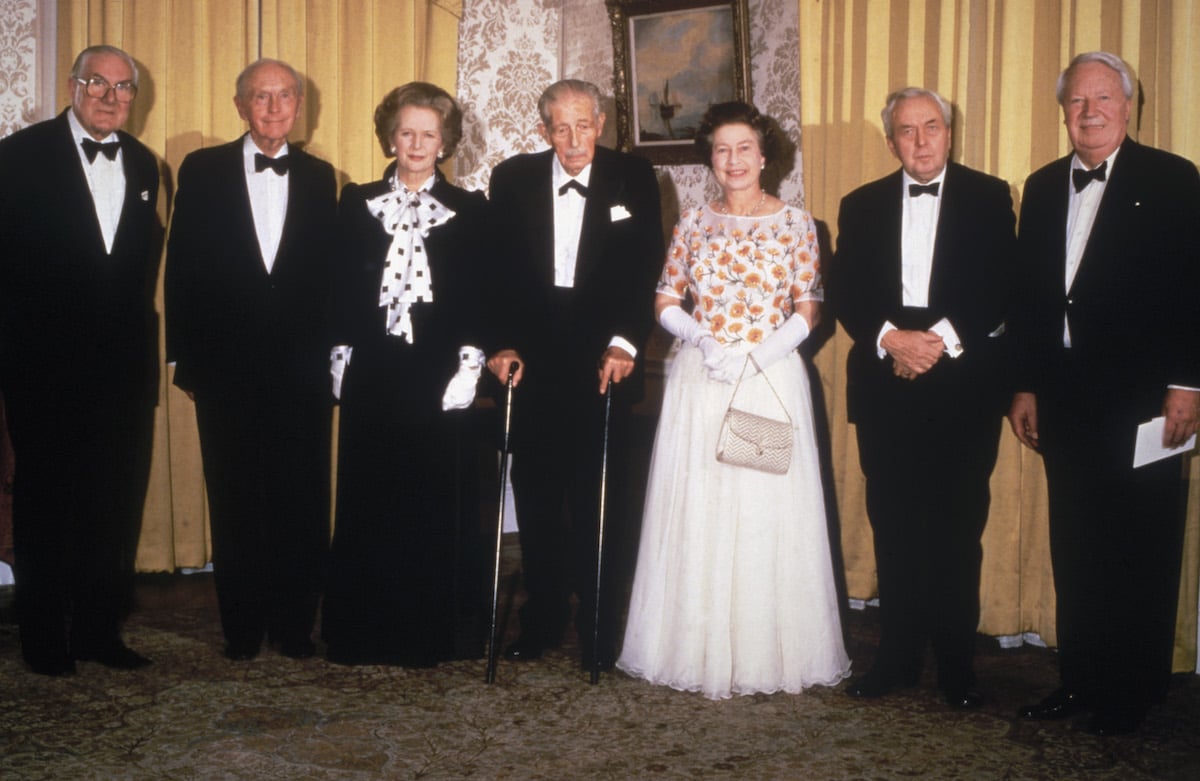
(782, 342)
(680, 324)
(460, 392)
(339, 359)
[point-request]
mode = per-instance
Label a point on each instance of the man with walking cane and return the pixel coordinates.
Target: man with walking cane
(579, 235)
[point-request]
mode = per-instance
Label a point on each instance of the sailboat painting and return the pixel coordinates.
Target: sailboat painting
(682, 62)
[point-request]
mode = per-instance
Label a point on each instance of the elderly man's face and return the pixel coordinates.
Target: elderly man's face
(574, 127)
(1095, 111)
(104, 115)
(270, 105)
(920, 137)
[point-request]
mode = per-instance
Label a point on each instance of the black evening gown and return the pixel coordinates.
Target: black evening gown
(407, 569)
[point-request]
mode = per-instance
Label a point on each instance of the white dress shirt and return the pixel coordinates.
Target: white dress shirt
(1081, 215)
(918, 231)
(568, 223)
(268, 201)
(106, 181)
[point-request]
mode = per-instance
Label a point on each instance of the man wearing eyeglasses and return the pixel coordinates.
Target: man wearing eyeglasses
(246, 282)
(80, 242)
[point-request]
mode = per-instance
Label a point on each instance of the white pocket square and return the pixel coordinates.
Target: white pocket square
(617, 213)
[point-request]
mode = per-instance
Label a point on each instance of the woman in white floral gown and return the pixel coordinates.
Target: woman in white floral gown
(734, 590)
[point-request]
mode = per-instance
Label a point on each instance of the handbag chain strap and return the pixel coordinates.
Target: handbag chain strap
(763, 374)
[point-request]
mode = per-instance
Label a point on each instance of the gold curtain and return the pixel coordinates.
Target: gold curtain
(189, 53)
(997, 62)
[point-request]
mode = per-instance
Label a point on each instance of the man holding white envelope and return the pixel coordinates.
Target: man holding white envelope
(1108, 333)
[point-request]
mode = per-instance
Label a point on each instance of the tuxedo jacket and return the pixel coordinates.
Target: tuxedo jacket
(1132, 308)
(232, 327)
(77, 323)
(562, 333)
(455, 317)
(969, 285)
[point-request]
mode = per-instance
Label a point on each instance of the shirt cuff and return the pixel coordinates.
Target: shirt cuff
(1184, 387)
(624, 344)
(950, 339)
(887, 328)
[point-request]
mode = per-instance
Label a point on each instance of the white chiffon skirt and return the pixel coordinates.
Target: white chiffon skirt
(734, 589)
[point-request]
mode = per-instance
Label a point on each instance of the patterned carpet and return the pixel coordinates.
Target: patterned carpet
(194, 715)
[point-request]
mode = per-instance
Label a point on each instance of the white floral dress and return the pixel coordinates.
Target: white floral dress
(734, 590)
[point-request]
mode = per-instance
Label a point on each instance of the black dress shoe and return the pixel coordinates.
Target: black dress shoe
(1108, 722)
(964, 699)
(524, 650)
(298, 649)
(117, 656)
(241, 652)
(57, 665)
(1059, 705)
(877, 683)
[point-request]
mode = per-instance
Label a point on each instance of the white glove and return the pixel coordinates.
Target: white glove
(728, 366)
(680, 324)
(779, 344)
(339, 359)
(460, 392)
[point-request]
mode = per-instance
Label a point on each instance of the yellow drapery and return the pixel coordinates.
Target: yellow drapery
(997, 62)
(189, 53)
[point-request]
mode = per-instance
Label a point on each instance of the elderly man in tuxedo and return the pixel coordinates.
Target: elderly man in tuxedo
(248, 269)
(920, 283)
(578, 232)
(80, 241)
(1109, 332)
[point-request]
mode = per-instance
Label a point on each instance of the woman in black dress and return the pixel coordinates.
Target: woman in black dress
(405, 575)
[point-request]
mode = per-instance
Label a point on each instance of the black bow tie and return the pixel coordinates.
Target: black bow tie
(573, 184)
(923, 189)
(1081, 178)
(277, 164)
(90, 148)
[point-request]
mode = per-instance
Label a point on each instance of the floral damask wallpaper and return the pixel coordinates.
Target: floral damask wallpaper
(509, 50)
(18, 64)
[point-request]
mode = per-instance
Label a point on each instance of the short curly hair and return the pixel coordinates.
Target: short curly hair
(735, 112)
(426, 95)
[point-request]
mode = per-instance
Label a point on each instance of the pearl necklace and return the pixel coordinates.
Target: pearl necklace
(721, 207)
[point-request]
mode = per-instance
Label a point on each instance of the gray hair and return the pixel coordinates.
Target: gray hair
(560, 89)
(894, 99)
(243, 79)
(92, 51)
(1105, 58)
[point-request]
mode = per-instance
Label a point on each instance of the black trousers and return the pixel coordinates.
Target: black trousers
(927, 501)
(266, 467)
(558, 446)
(1116, 544)
(82, 469)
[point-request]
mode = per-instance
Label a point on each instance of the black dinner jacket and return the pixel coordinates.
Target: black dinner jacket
(969, 285)
(455, 317)
(618, 261)
(231, 326)
(76, 322)
(1133, 310)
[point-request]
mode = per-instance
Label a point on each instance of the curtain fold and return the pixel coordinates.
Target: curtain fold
(997, 62)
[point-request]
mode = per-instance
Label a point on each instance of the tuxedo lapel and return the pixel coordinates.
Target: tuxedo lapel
(1111, 217)
(69, 176)
(541, 210)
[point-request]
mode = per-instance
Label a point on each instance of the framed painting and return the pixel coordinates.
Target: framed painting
(672, 60)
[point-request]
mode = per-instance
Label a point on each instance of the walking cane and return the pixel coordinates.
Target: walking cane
(596, 661)
(493, 654)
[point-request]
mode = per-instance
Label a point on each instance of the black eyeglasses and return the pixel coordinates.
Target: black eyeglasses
(98, 87)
